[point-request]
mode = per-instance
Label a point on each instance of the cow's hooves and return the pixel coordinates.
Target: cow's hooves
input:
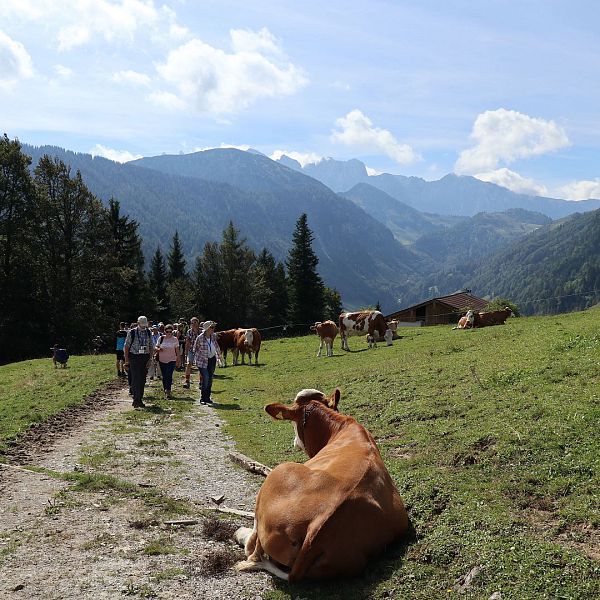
(247, 565)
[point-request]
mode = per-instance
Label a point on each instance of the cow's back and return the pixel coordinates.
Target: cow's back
(327, 517)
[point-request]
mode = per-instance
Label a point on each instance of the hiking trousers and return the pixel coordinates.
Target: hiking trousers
(138, 370)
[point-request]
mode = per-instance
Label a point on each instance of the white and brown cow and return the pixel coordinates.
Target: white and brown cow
(247, 341)
(466, 321)
(365, 322)
(226, 341)
(327, 332)
(327, 517)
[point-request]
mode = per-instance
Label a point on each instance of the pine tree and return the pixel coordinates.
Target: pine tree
(207, 285)
(305, 286)
(20, 314)
(74, 254)
(236, 260)
(333, 304)
(268, 294)
(176, 261)
(158, 283)
(134, 295)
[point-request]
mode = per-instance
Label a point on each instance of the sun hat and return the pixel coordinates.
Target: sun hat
(208, 324)
(142, 320)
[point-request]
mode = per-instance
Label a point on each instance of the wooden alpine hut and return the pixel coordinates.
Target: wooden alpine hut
(443, 310)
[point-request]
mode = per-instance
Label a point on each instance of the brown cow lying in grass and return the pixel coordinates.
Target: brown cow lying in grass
(483, 319)
(326, 517)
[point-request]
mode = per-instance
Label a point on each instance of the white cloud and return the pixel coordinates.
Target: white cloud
(503, 136)
(304, 158)
(357, 130)
(15, 62)
(79, 22)
(112, 154)
(579, 190)
(132, 77)
(261, 42)
(167, 100)
(63, 72)
(212, 80)
(514, 182)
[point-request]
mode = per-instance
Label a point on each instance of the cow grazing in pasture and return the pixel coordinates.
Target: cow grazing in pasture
(247, 341)
(226, 341)
(366, 322)
(324, 518)
(466, 322)
(327, 332)
(494, 317)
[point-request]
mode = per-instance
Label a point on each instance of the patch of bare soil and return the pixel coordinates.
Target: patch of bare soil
(102, 533)
(580, 536)
(41, 436)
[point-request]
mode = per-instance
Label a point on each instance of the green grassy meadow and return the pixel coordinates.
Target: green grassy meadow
(490, 435)
(33, 390)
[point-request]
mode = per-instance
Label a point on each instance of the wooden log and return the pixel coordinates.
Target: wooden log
(231, 511)
(249, 464)
(182, 522)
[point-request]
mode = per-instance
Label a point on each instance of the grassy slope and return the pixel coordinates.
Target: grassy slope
(32, 390)
(490, 435)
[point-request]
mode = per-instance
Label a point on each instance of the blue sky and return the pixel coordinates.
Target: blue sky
(507, 91)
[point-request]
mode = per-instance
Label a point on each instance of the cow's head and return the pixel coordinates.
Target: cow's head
(314, 327)
(470, 316)
(299, 411)
(248, 337)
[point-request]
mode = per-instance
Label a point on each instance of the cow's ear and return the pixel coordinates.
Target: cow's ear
(280, 411)
(334, 399)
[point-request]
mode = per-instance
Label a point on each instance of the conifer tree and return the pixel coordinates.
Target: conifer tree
(333, 304)
(19, 315)
(134, 295)
(74, 254)
(176, 260)
(268, 294)
(207, 285)
(236, 260)
(158, 283)
(305, 286)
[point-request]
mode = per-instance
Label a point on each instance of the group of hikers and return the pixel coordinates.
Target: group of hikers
(147, 350)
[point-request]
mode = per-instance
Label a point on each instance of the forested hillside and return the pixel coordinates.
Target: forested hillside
(554, 269)
(358, 257)
(479, 236)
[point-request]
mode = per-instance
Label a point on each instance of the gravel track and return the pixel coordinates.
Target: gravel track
(58, 543)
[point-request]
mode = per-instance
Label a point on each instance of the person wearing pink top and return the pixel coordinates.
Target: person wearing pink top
(167, 349)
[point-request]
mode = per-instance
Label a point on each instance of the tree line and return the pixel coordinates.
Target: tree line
(71, 268)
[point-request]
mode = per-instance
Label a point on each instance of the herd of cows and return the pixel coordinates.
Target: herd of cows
(306, 514)
(369, 323)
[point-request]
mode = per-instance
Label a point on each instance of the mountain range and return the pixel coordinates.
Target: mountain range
(386, 238)
(450, 195)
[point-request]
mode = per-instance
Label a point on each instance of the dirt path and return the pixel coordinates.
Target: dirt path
(105, 537)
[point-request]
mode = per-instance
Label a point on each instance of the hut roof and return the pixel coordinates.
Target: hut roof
(457, 301)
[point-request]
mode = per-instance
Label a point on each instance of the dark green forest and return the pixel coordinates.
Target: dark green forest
(73, 268)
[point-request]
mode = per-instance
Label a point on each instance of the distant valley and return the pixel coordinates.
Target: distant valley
(387, 238)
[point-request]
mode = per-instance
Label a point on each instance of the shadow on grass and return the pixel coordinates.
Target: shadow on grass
(361, 587)
(219, 376)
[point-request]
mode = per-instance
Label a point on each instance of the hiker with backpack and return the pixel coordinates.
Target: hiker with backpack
(121, 336)
(167, 350)
(138, 351)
